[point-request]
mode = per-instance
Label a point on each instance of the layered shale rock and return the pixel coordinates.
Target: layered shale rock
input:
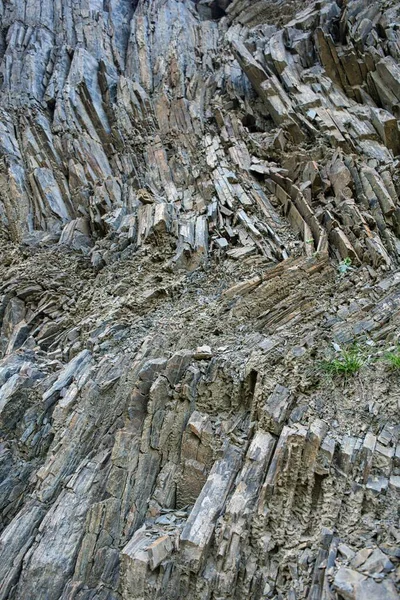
(199, 212)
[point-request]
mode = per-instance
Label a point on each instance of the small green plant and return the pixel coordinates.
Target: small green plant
(393, 358)
(345, 266)
(348, 362)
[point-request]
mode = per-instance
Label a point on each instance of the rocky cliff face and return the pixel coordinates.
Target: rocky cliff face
(199, 215)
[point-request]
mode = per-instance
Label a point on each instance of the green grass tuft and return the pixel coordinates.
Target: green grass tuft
(349, 362)
(393, 358)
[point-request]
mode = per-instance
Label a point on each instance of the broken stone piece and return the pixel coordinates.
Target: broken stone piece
(203, 353)
(347, 582)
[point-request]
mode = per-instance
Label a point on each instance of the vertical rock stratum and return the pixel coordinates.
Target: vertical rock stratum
(200, 299)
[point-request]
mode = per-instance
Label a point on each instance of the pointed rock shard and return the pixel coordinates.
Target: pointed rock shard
(199, 528)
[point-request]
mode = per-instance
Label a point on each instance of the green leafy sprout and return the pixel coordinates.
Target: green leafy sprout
(345, 266)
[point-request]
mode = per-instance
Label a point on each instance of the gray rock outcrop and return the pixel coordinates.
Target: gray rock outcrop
(200, 299)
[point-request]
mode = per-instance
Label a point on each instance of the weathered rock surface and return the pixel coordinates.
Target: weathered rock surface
(199, 203)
